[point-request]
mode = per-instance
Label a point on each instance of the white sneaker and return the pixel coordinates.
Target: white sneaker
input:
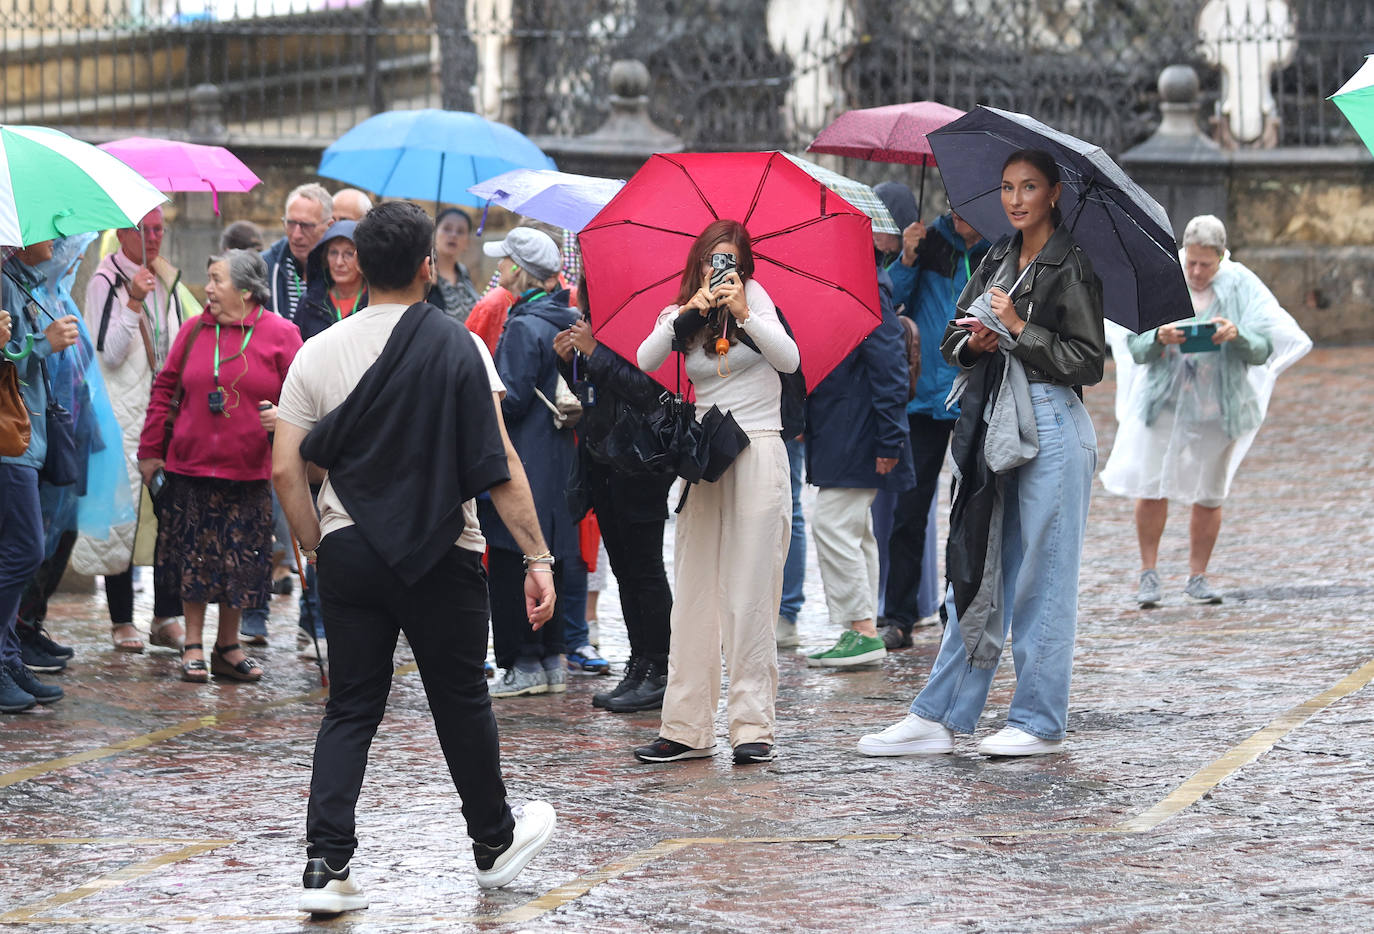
(328, 891)
(914, 736)
(534, 823)
(1009, 741)
(786, 633)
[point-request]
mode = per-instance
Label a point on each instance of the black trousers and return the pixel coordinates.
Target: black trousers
(635, 546)
(33, 605)
(512, 636)
(119, 588)
(907, 543)
(444, 616)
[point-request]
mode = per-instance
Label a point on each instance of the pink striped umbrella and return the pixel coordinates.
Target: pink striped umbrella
(171, 165)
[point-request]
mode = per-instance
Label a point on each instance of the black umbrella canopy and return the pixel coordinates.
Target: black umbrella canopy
(1124, 231)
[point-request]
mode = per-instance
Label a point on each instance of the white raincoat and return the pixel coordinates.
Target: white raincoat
(1187, 420)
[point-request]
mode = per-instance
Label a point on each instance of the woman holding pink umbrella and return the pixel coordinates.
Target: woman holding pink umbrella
(732, 534)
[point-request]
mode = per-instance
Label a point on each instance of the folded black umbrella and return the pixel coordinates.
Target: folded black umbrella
(1124, 231)
(722, 440)
(655, 442)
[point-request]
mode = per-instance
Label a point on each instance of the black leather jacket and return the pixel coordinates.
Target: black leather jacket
(1061, 302)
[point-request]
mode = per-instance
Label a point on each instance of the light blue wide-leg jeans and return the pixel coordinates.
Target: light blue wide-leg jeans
(1045, 514)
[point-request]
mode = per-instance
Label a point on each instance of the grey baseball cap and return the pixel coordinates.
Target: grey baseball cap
(532, 250)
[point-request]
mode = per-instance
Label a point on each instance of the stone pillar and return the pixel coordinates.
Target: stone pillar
(1184, 170)
(628, 137)
(193, 228)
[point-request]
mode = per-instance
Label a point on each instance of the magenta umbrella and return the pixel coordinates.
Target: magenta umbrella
(894, 133)
(813, 251)
(171, 165)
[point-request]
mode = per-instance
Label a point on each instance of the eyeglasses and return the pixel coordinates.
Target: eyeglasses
(343, 253)
(305, 226)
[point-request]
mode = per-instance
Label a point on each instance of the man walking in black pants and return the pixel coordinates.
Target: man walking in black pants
(400, 407)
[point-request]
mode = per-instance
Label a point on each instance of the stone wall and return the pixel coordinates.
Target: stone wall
(1303, 220)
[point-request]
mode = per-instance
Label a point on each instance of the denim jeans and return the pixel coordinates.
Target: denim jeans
(21, 549)
(573, 598)
(1045, 505)
(794, 570)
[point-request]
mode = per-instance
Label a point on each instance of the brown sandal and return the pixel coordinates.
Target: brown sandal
(246, 669)
(129, 643)
(194, 670)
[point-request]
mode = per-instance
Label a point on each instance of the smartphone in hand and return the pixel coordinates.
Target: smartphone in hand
(970, 324)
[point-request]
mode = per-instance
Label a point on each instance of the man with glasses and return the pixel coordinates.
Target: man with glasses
(309, 211)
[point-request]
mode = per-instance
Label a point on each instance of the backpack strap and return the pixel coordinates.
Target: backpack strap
(118, 283)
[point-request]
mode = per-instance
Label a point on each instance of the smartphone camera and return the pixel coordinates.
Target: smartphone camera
(722, 265)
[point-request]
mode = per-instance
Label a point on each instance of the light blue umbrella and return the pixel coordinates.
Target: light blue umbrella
(429, 154)
(559, 198)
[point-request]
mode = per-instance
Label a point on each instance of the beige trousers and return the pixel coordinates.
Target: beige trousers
(847, 553)
(731, 542)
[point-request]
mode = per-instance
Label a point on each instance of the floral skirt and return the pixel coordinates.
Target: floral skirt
(218, 536)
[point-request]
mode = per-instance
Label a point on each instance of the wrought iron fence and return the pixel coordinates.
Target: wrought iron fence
(725, 75)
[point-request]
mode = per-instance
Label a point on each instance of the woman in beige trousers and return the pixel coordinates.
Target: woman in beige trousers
(732, 535)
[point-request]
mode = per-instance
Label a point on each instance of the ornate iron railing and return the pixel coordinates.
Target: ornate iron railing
(725, 75)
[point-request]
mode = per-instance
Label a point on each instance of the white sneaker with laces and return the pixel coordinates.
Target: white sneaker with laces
(1009, 741)
(913, 736)
(534, 823)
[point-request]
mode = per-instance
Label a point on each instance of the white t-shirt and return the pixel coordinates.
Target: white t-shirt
(325, 371)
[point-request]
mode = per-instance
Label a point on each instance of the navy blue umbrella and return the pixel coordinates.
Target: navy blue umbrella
(1124, 231)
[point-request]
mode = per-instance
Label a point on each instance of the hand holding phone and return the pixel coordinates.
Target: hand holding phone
(970, 324)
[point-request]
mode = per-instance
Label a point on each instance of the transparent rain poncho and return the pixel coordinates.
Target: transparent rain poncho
(1187, 420)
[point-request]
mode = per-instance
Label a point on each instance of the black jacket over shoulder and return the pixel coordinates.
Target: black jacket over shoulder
(414, 440)
(1061, 302)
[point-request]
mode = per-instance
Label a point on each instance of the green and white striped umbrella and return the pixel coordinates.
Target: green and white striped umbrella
(52, 185)
(855, 192)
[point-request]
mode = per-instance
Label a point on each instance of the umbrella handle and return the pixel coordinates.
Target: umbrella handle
(16, 357)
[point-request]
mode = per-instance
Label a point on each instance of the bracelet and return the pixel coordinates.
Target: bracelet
(545, 569)
(545, 558)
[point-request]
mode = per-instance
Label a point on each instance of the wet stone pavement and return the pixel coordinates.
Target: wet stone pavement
(1217, 775)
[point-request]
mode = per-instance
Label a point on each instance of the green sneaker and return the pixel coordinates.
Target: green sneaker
(852, 649)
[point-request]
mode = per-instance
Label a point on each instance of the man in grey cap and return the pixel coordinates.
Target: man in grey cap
(526, 250)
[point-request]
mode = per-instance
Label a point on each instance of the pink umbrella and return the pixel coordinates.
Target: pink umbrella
(895, 133)
(171, 165)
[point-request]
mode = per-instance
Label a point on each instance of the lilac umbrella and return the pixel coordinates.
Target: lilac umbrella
(559, 198)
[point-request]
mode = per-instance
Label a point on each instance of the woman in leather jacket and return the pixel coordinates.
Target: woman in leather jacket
(631, 509)
(1020, 530)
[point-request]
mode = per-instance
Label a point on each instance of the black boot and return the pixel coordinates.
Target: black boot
(634, 674)
(648, 694)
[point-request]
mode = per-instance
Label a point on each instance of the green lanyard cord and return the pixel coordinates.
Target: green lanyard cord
(248, 336)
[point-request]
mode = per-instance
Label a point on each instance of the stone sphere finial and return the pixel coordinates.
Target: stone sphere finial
(629, 78)
(1178, 84)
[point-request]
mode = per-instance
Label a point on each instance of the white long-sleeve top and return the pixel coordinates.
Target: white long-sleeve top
(751, 392)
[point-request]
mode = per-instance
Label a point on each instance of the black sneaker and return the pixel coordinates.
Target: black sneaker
(13, 698)
(634, 673)
(665, 750)
(895, 637)
(648, 694)
(40, 637)
(25, 681)
(328, 891)
(35, 655)
(749, 753)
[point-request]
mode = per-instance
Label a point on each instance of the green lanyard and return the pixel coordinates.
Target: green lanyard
(246, 338)
(954, 292)
(538, 294)
(293, 283)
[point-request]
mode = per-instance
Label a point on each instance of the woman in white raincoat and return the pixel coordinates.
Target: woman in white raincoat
(1188, 417)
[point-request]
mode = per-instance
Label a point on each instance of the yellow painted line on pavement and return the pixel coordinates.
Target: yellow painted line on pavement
(110, 880)
(1242, 754)
(556, 898)
(171, 732)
